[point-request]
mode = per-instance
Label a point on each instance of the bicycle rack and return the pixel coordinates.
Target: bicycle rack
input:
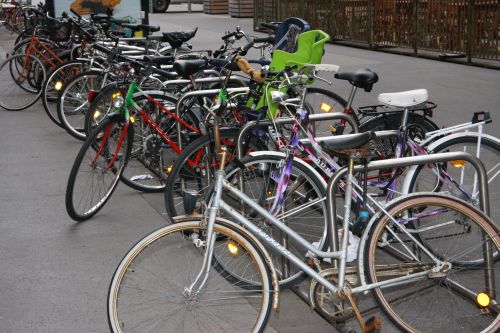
(410, 161)
(289, 120)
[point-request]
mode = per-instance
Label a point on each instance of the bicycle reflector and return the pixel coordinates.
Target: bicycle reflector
(483, 299)
(458, 163)
(132, 119)
(58, 86)
(325, 107)
(232, 247)
(97, 113)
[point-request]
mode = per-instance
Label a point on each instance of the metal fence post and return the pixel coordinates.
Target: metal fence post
(415, 26)
(370, 22)
(470, 5)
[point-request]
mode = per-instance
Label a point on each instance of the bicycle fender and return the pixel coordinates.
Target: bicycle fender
(283, 156)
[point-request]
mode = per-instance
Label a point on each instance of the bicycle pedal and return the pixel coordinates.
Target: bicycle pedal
(373, 325)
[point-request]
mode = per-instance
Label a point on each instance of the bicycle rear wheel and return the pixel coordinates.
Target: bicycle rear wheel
(21, 80)
(98, 167)
(443, 300)
(147, 293)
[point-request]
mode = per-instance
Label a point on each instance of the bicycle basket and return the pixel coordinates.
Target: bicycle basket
(58, 31)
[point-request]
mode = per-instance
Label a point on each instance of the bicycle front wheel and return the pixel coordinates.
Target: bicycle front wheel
(98, 167)
(147, 293)
(21, 80)
(441, 297)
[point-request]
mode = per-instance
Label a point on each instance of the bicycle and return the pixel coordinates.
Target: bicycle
(211, 266)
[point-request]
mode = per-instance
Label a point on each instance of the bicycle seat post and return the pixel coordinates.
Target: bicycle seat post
(345, 222)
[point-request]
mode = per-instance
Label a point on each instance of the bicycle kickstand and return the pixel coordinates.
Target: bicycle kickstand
(372, 325)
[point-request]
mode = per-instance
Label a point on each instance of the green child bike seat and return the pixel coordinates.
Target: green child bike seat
(310, 50)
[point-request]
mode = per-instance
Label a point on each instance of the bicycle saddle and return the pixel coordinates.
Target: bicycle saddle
(189, 67)
(145, 27)
(362, 78)
(349, 141)
(159, 60)
(404, 98)
(177, 38)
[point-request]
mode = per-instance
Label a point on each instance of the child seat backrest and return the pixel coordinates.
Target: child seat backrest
(287, 33)
(309, 50)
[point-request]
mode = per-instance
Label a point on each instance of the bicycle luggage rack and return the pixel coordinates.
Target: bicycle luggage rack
(379, 109)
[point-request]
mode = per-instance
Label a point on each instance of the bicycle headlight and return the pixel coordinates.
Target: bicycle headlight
(118, 100)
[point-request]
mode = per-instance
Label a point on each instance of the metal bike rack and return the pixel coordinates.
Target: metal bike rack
(199, 93)
(289, 120)
(410, 161)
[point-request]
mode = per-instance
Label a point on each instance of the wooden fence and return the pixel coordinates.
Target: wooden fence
(453, 28)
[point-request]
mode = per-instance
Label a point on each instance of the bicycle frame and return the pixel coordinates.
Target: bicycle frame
(218, 203)
(32, 48)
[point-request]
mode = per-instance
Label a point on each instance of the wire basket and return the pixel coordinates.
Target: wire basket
(57, 31)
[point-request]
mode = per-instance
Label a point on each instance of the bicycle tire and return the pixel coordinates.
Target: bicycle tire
(304, 209)
(99, 147)
(425, 296)
(24, 93)
(161, 254)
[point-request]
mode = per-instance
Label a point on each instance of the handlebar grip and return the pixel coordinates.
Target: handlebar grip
(269, 26)
(229, 35)
(247, 47)
(268, 39)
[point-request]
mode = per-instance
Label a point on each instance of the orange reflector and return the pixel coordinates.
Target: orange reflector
(232, 247)
(58, 85)
(483, 299)
(325, 107)
(458, 163)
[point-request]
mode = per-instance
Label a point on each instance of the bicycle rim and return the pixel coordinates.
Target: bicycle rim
(146, 293)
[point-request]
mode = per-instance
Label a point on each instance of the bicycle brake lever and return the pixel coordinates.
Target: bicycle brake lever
(322, 79)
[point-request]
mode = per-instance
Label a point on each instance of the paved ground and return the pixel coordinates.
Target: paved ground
(54, 273)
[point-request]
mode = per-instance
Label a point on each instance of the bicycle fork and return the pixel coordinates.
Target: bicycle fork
(202, 276)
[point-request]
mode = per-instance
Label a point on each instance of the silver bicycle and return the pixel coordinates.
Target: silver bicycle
(209, 274)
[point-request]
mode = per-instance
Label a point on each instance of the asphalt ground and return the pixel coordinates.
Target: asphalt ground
(54, 272)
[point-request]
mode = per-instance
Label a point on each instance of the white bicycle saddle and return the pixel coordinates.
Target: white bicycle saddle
(404, 98)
